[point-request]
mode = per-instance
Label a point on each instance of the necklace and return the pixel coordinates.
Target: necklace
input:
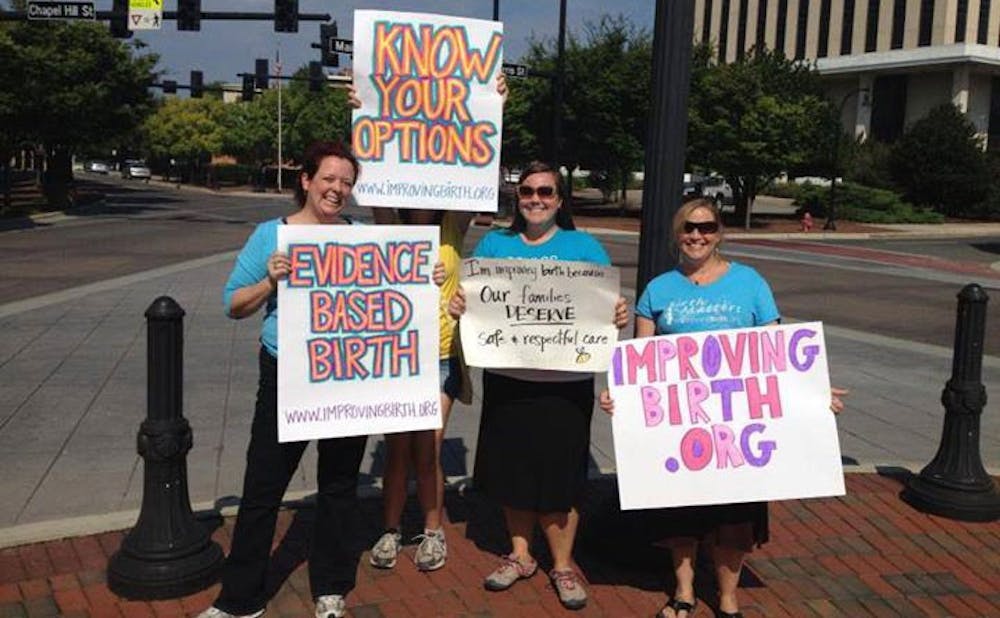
(708, 273)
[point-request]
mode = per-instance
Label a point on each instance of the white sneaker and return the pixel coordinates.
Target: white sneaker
(215, 612)
(432, 551)
(385, 550)
(331, 606)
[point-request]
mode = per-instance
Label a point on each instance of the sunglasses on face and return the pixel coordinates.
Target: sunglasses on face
(526, 191)
(705, 227)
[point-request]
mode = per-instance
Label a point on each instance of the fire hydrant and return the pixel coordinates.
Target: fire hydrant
(807, 222)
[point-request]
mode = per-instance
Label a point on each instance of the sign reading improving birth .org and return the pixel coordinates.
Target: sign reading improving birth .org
(724, 416)
(358, 332)
(429, 127)
(538, 314)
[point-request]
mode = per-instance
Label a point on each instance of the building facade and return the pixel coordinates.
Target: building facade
(886, 62)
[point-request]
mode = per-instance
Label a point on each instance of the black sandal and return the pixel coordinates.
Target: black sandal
(722, 614)
(678, 606)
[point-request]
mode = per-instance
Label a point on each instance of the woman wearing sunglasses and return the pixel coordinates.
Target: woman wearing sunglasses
(534, 435)
(707, 292)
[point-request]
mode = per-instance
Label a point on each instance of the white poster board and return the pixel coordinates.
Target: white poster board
(358, 334)
(724, 416)
(538, 314)
(428, 132)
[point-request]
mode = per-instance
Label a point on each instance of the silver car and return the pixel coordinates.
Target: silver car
(136, 168)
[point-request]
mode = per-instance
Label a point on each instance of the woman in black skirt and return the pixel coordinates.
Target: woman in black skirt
(707, 292)
(534, 436)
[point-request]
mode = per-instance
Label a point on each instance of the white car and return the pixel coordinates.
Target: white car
(134, 168)
(97, 167)
(717, 189)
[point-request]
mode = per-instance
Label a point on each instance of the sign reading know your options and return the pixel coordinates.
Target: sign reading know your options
(724, 416)
(429, 127)
(357, 331)
(538, 314)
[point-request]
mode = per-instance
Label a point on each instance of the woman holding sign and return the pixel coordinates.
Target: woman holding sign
(707, 292)
(534, 436)
(329, 172)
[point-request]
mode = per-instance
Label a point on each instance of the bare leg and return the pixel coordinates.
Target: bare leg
(434, 516)
(728, 562)
(560, 530)
(683, 553)
(520, 525)
(398, 453)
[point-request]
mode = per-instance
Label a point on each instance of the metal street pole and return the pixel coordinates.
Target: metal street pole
(560, 85)
(496, 10)
(667, 139)
(277, 62)
(831, 211)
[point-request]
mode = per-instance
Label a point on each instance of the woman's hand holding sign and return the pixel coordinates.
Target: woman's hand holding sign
(278, 267)
(836, 404)
(456, 306)
(621, 313)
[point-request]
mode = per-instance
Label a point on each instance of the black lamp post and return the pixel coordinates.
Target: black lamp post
(831, 211)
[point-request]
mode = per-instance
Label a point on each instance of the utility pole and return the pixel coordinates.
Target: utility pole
(277, 62)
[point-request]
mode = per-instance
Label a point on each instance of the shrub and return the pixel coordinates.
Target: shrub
(863, 204)
(868, 164)
(939, 163)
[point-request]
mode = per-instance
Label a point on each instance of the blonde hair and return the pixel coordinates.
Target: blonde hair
(682, 214)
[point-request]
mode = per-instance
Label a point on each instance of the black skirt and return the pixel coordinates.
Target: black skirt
(739, 526)
(534, 442)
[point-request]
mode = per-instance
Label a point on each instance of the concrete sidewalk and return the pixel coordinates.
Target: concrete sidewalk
(73, 382)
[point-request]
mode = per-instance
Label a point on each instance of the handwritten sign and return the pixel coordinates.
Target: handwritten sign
(541, 314)
(429, 127)
(724, 416)
(357, 331)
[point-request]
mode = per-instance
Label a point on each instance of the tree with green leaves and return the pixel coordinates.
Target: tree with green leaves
(939, 162)
(754, 119)
(70, 86)
(606, 103)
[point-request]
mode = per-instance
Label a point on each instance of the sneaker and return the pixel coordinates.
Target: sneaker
(509, 571)
(385, 550)
(569, 587)
(432, 551)
(215, 612)
(331, 606)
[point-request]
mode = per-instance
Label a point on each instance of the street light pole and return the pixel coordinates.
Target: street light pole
(560, 84)
(277, 62)
(831, 211)
(496, 10)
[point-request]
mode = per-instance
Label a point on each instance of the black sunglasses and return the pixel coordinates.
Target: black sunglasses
(705, 227)
(526, 191)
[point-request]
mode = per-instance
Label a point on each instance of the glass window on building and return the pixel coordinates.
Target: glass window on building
(993, 132)
(888, 107)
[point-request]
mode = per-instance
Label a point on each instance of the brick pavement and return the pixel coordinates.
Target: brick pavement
(864, 554)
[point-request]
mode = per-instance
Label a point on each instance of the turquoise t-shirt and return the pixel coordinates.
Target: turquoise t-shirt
(251, 267)
(568, 245)
(740, 298)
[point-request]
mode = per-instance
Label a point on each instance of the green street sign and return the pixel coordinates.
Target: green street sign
(44, 11)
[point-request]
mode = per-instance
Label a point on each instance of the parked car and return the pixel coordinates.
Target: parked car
(716, 188)
(136, 168)
(98, 167)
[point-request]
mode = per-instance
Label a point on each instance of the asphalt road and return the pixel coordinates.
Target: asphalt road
(142, 227)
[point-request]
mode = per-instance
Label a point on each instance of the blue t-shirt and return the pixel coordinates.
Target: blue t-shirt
(567, 245)
(251, 267)
(740, 298)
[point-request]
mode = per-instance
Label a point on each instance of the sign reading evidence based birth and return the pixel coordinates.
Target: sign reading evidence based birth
(61, 10)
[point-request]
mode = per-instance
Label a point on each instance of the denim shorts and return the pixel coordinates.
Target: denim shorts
(451, 377)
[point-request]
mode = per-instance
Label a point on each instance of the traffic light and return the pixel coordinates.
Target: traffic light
(316, 76)
(189, 15)
(119, 20)
(197, 85)
(169, 86)
(261, 71)
(327, 33)
(286, 15)
(248, 88)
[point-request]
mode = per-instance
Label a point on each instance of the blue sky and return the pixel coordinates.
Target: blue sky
(221, 49)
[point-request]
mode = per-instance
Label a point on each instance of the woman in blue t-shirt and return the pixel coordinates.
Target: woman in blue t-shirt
(707, 292)
(329, 172)
(534, 435)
